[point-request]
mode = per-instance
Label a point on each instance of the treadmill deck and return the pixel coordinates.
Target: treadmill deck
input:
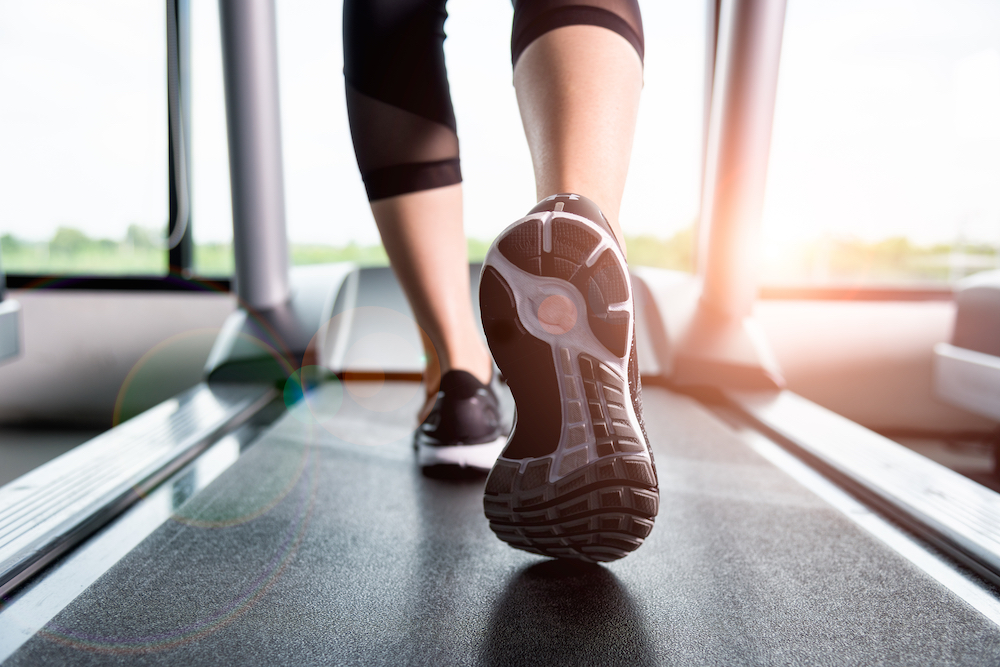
(323, 544)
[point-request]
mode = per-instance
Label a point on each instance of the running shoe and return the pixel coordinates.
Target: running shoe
(576, 479)
(464, 428)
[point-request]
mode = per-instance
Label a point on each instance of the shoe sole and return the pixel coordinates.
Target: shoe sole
(480, 457)
(576, 479)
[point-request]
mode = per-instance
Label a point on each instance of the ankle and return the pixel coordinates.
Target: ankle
(432, 383)
(476, 362)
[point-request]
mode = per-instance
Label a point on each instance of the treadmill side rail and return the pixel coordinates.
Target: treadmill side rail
(957, 515)
(52, 508)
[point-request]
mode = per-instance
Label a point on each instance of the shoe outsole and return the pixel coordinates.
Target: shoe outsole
(576, 479)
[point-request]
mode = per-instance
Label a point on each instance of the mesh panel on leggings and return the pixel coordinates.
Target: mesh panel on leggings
(398, 100)
(399, 151)
(533, 18)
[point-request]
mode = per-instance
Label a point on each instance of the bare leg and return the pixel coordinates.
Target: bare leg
(423, 236)
(578, 90)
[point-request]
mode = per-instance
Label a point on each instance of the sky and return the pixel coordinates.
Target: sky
(887, 121)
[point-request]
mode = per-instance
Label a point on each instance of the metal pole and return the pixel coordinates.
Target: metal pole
(712, 8)
(250, 66)
(180, 248)
(743, 96)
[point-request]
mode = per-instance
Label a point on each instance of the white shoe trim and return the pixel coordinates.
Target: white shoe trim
(481, 457)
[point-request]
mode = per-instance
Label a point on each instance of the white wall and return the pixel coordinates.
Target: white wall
(869, 361)
(79, 349)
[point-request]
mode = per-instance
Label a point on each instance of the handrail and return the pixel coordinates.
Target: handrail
(51, 509)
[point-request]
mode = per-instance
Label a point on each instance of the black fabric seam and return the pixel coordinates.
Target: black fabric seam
(399, 179)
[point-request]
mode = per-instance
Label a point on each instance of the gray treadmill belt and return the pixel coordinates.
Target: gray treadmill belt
(325, 545)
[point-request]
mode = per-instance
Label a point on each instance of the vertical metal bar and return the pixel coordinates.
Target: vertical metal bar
(250, 67)
(712, 9)
(180, 247)
(743, 97)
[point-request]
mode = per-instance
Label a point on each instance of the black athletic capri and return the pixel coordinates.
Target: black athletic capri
(402, 121)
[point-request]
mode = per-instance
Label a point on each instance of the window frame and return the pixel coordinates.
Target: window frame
(180, 254)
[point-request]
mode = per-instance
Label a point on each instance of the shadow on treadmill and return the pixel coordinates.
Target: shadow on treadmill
(566, 612)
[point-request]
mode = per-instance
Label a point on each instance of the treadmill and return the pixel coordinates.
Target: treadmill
(275, 514)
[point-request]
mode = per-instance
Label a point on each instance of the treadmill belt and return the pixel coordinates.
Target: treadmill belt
(323, 544)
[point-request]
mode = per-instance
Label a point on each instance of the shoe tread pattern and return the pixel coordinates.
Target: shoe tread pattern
(603, 284)
(604, 507)
(602, 511)
(537, 394)
(523, 246)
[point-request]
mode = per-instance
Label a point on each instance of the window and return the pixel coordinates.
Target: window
(85, 114)
(211, 202)
(83, 118)
(886, 146)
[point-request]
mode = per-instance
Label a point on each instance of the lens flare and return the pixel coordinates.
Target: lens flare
(162, 372)
(313, 394)
(377, 352)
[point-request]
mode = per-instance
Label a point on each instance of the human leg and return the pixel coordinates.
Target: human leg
(578, 88)
(405, 139)
(423, 236)
(576, 479)
(406, 142)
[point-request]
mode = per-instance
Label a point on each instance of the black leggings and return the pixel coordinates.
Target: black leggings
(398, 100)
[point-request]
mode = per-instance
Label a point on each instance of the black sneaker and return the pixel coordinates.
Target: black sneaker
(464, 428)
(576, 479)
